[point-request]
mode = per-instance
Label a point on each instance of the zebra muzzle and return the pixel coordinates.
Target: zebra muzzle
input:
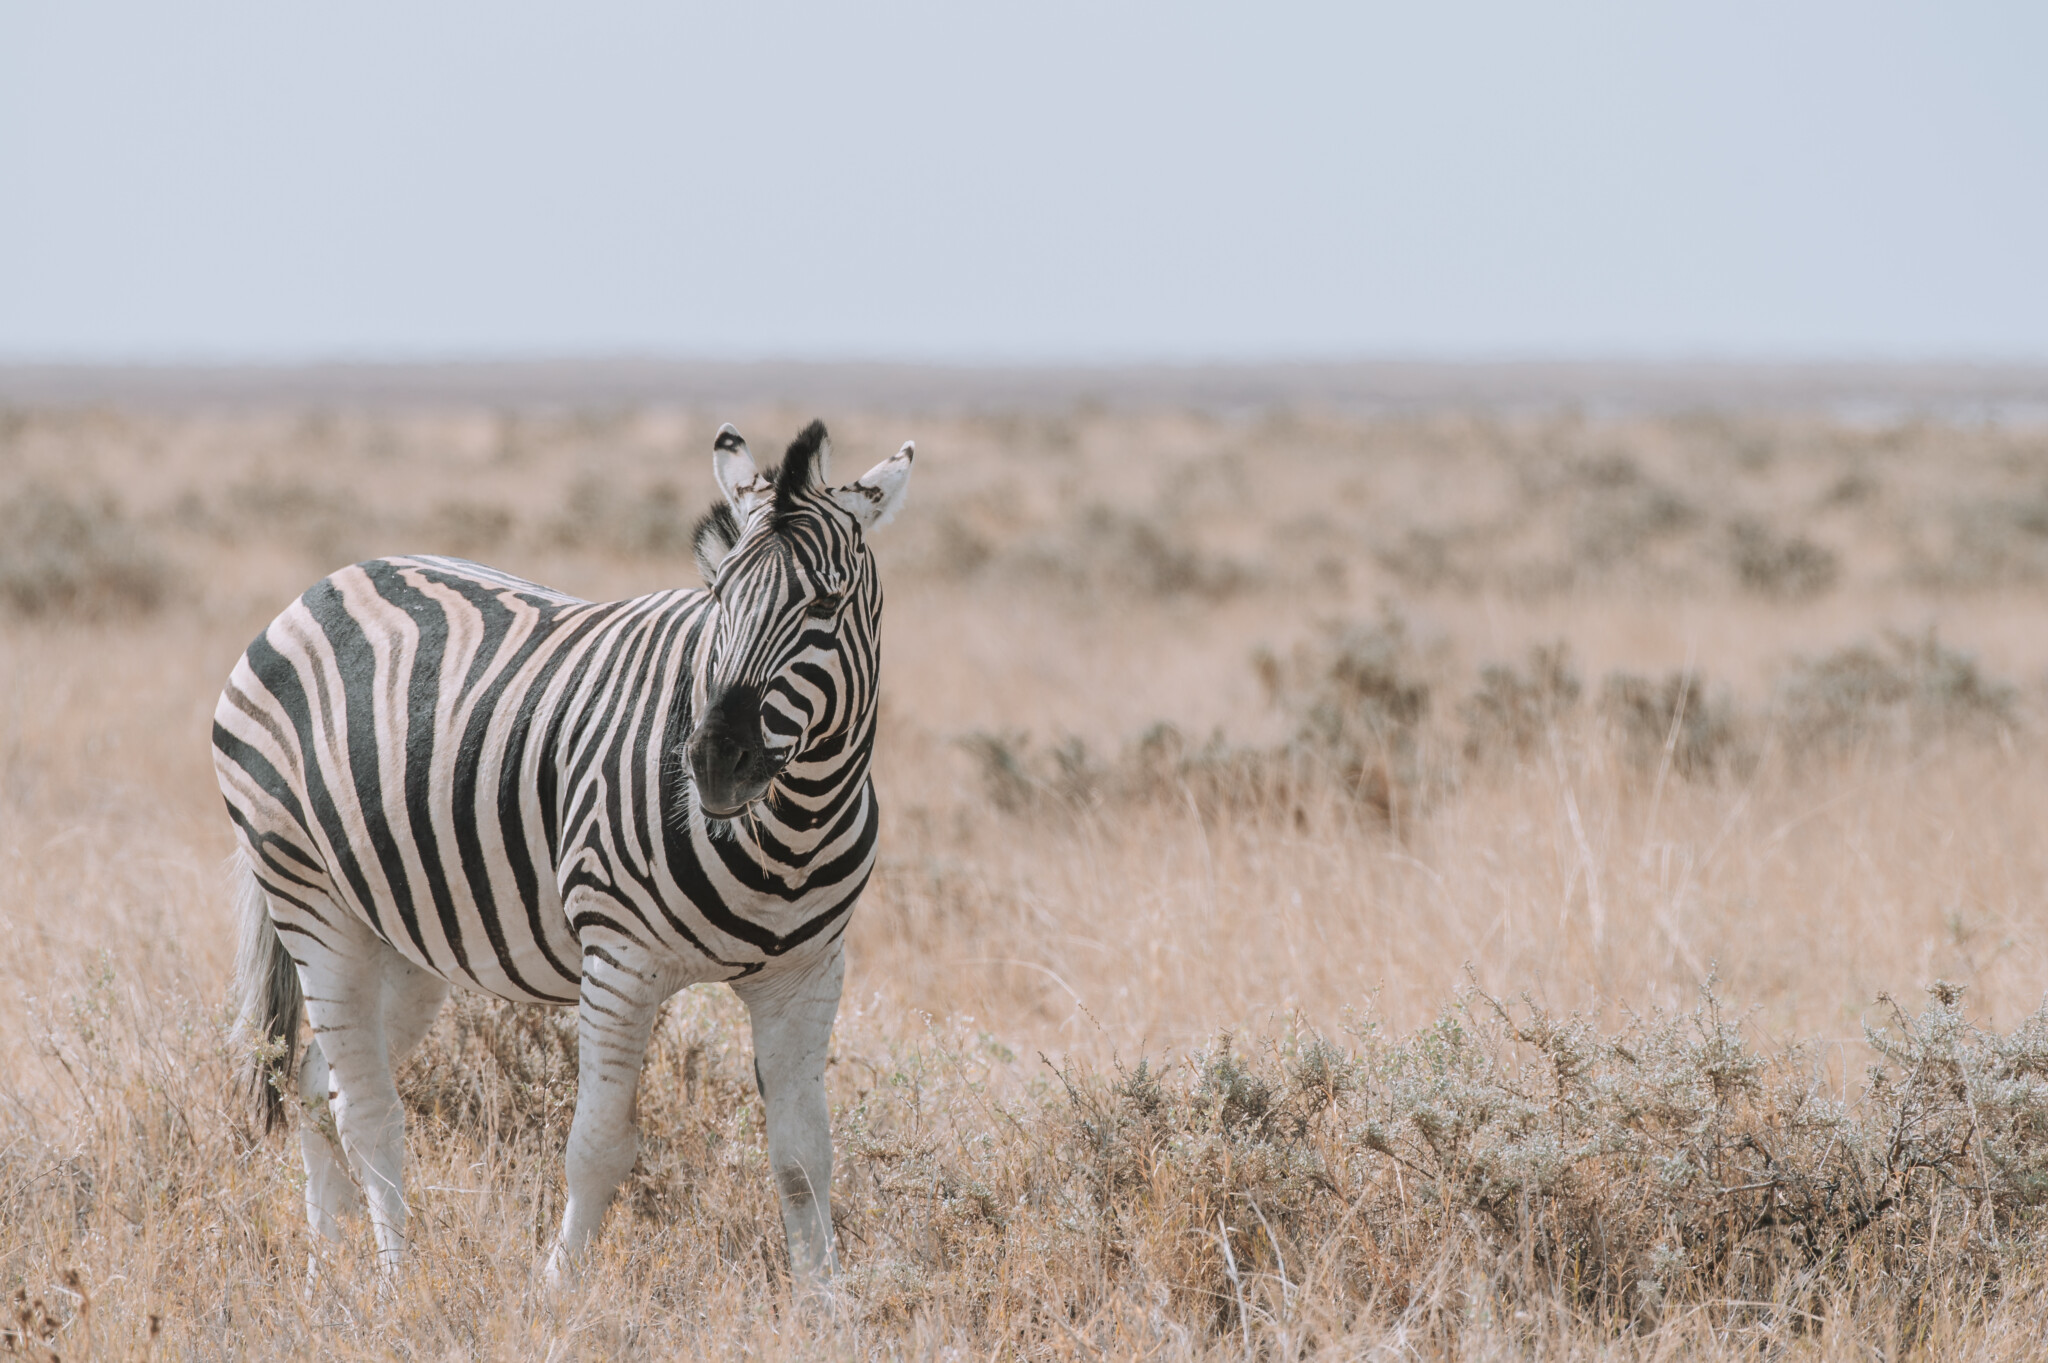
(729, 764)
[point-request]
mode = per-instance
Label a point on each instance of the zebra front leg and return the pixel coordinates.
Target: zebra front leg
(615, 1014)
(792, 1014)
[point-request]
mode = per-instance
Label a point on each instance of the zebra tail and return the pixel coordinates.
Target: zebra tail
(267, 986)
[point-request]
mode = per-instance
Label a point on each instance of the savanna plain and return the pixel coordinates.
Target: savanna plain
(1422, 886)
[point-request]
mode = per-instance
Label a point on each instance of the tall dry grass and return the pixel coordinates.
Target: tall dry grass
(1425, 887)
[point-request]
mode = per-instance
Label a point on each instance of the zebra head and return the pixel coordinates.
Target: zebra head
(789, 670)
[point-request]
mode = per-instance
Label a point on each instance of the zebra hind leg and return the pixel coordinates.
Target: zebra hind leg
(271, 988)
(331, 1193)
(347, 973)
(412, 998)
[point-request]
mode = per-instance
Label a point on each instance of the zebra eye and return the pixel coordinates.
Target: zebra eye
(823, 608)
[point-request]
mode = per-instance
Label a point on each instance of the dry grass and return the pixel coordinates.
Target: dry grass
(1309, 845)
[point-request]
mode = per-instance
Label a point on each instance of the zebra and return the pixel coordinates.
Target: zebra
(440, 774)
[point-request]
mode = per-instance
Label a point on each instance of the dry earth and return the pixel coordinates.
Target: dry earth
(1412, 886)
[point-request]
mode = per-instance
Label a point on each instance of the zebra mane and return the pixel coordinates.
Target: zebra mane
(802, 466)
(713, 537)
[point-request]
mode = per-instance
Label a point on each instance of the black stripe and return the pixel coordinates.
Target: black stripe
(422, 712)
(259, 769)
(355, 662)
(282, 681)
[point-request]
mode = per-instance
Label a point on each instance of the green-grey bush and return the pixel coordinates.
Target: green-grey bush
(1666, 1164)
(599, 514)
(1787, 567)
(1514, 710)
(1908, 689)
(76, 556)
(1699, 730)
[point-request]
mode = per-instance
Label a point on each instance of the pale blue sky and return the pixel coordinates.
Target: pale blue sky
(271, 179)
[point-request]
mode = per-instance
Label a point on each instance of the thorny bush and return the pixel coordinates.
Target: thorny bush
(1667, 1164)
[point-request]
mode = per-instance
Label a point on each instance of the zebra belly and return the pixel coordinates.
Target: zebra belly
(527, 952)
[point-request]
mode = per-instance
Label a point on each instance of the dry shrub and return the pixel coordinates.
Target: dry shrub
(600, 514)
(1789, 567)
(1005, 765)
(506, 1071)
(1163, 765)
(76, 556)
(1270, 1188)
(1358, 700)
(1989, 542)
(1429, 560)
(1909, 690)
(1854, 487)
(1020, 778)
(1630, 1174)
(1514, 711)
(1675, 720)
(467, 529)
(1356, 703)
(1618, 513)
(331, 524)
(1116, 553)
(1216, 774)
(957, 549)
(1576, 521)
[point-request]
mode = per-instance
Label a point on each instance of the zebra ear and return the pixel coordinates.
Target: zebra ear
(732, 463)
(877, 495)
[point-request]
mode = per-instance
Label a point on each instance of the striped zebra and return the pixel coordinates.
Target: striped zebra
(441, 774)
